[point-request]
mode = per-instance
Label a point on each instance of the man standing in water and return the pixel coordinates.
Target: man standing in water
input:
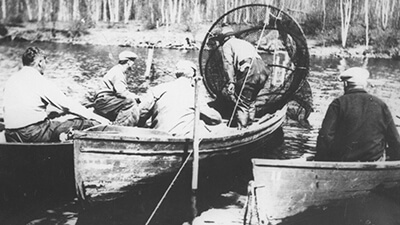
(357, 126)
(114, 101)
(35, 110)
(246, 71)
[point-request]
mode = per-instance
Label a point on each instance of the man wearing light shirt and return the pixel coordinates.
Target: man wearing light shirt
(246, 73)
(114, 101)
(28, 98)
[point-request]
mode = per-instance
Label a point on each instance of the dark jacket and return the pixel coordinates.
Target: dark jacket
(357, 127)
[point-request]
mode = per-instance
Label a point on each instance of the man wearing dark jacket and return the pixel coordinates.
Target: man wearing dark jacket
(357, 126)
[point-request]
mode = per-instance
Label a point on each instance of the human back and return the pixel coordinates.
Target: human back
(35, 110)
(174, 114)
(357, 126)
(362, 124)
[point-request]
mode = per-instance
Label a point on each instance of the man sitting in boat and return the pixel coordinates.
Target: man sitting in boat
(171, 105)
(114, 101)
(246, 71)
(35, 110)
(357, 126)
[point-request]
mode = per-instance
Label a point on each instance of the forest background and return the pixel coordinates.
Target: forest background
(344, 23)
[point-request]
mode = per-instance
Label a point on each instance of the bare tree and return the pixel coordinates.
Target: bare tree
(162, 9)
(62, 11)
(385, 11)
(75, 10)
(366, 6)
(104, 10)
(3, 9)
(345, 13)
(28, 9)
(40, 9)
(127, 9)
(179, 14)
(324, 16)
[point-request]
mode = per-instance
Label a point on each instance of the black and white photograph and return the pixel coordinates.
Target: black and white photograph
(199, 112)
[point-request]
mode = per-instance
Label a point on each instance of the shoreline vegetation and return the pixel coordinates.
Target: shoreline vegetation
(342, 28)
(135, 35)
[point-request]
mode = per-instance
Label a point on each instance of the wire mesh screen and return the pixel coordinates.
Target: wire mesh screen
(279, 40)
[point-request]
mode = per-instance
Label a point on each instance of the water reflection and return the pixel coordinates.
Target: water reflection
(76, 69)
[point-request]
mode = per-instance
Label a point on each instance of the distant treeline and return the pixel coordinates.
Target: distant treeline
(346, 18)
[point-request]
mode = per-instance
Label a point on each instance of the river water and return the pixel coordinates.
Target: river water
(76, 69)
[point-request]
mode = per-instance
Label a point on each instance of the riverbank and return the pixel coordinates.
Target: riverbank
(135, 34)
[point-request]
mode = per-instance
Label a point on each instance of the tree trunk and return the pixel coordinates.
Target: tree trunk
(28, 10)
(324, 15)
(162, 9)
(3, 9)
(111, 10)
(97, 11)
(116, 10)
(40, 9)
(105, 15)
(127, 11)
(366, 6)
(62, 14)
(226, 9)
(179, 2)
(345, 12)
(75, 10)
(385, 11)
(171, 13)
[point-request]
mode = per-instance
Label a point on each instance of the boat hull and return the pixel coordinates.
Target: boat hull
(111, 163)
(31, 170)
(284, 188)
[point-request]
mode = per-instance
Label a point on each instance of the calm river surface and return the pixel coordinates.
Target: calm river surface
(76, 69)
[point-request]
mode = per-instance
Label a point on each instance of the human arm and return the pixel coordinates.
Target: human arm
(146, 108)
(327, 133)
(121, 88)
(392, 137)
(228, 64)
(57, 99)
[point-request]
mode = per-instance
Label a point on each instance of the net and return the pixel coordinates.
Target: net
(280, 42)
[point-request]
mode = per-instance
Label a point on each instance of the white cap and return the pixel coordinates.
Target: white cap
(127, 55)
(356, 75)
(185, 67)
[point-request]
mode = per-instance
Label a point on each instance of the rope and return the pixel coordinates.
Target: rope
(168, 189)
(247, 74)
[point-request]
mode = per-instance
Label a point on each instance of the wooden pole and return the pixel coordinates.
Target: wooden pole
(196, 142)
(149, 62)
(195, 137)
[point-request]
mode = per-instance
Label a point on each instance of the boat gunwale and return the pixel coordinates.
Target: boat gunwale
(296, 164)
(277, 117)
(29, 144)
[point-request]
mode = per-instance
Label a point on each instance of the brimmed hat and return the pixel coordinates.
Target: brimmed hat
(127, 55)
(185, 67)
(356, 75)
(222, 31)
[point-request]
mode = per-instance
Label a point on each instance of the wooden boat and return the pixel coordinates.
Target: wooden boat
(111, 161)
(284, 188)
(29, 170)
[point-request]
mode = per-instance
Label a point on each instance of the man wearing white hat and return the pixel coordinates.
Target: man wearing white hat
(114, 101)
(357, 126)
(171, 105)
